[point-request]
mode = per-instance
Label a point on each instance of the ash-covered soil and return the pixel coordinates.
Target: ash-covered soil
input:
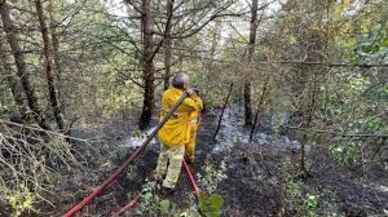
(254, 174)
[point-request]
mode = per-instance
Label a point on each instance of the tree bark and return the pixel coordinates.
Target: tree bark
(13, 83)
(57, 61)
(259, 107)
(22, 73)
(251, 52)
(223, 111)
(213, 47)
(148, 66)
(47, 50)
(167, 47)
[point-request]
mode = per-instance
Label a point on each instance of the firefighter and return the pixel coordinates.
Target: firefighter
(177, 136)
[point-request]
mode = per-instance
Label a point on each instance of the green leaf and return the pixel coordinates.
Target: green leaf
(216, 201)
(386, 89)
(147, 196)
(164, 206)
(384, 43)
(202, 196)
(210, 205)
(370, 49)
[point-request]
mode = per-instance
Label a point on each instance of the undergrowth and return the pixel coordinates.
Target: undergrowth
(32, 167)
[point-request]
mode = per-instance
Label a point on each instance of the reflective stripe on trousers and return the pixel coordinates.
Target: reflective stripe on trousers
(169, 164)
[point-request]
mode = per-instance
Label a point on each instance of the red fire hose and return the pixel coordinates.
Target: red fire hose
(129, 206)
(103, 186)
(191, 179)
(135, 200)
(77, 208)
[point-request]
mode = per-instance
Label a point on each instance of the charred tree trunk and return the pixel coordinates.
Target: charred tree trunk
(223, 111)
(251, 52)
(49, 66)
(167, 47)
(23, 75)
(247, 103)
(308, 122)
(259, 107)
(148, 66)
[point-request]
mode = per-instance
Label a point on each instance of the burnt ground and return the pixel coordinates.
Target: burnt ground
(253, 186)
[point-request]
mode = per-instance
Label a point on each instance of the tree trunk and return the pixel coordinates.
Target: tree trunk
(213, 48)
(58, 67)
(308, 121)
(167, 48)
(247, 103)
(49, 66)
(251, 52)
(148, 66)
(259, 107)
(223, 111)
(22, 73)
(13, 83)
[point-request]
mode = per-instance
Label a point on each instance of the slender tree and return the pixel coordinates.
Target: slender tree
(50, 65)
(55, 50)
(179, 21)
(213, 48)
(22, 73)
(148, 68)
(251, 52)
(167, 46)
(13, 82)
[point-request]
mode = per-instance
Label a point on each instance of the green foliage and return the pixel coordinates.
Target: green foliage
(3, 108)
(346, 154)
(153, 206)
(6, 102)
(31, 173)
(20, 201)
(378, 93)
(341, 7)
(116, 94)
(311, 201)
(373, 45)
(210, 205)
(212, 92)
(311, 204)
(212, 177)
(149, 205)
(294, 188)
(353, 105)
(300, 202)
(166, 207)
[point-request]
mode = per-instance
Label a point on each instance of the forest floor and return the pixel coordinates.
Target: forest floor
(254, 178)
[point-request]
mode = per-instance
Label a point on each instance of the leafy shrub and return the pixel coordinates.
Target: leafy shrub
(311, 204)
(300, 203)
(211, 205)
(212, 177)
(346, 154)
(20, 201)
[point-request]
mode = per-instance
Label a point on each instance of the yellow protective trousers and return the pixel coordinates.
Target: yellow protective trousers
(193, 126)
(170, 164)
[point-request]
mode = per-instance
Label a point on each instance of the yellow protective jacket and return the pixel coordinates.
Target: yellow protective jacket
(179, 130)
